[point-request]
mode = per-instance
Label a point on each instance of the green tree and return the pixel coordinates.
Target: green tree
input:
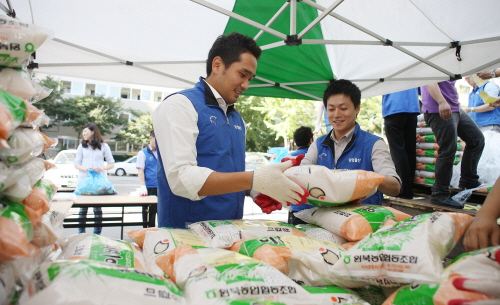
(136, 132)
(259, 136)
(284, 116)
(370, 116)
(78, 111)
(52, 103)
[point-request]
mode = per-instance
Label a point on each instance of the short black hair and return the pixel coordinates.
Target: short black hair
(152, 133)
(302, 136)
(230, 47)
(344, 87)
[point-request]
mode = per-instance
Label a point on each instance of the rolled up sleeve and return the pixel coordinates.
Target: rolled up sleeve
(176, 130)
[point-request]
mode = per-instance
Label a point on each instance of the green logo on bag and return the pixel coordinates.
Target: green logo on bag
(29, 47)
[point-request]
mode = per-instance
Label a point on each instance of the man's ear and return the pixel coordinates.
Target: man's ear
(217, 64)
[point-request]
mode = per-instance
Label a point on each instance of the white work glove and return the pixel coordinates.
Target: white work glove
(270, 180)
(143, 191)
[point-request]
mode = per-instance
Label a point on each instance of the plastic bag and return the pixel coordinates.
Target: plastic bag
(25, 144)
(49, 229)
(19, 40)
(410, 252)
(94, 283)
(102, 249)
(352, 222)
(319, 232)
(95, 184)
(17, 82)
(224, 233)
(334, 187)
(16, 229)
(40, 196)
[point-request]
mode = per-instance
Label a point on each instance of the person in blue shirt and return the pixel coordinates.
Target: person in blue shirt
(486, 116)
(303, 138)
(347, 146)
(400, 111)
(146, 163)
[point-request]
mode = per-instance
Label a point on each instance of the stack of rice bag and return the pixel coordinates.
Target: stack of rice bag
(28, 229)
(427, 152)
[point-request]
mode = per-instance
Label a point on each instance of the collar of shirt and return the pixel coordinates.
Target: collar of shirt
(220, 100)
(153, 150)
(345, 138)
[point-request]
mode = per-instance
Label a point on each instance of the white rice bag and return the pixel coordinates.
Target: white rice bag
(320, 233)
(334, 187)
(161, 241)
(306, 260)
(410, 252)
(216, 276)
(16, 82)
(25, 144)
(102, 249)
(19, 40)
(49, 230)
(95, 283)
(224, 233)
(352, 222)
(7, 282)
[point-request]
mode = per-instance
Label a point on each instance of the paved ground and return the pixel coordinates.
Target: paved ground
(130, 183)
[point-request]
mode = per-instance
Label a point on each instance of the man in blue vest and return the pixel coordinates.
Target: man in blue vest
(201, 144)
(146, 171)
(486, 116)
(349, 147)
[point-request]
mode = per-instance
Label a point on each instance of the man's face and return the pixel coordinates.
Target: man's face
(341, 114)
(471, 81)
(232, 81)
(152, 142)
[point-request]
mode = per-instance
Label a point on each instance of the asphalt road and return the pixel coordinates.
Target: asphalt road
(129, 184)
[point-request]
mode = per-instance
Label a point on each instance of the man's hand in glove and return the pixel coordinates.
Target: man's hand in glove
(143, 191)
(271, 181)
(268, 204)
(295, 161)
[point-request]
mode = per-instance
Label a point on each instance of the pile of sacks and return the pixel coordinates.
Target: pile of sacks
(270, 262)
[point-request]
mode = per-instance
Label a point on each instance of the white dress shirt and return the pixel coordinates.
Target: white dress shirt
(175, 125)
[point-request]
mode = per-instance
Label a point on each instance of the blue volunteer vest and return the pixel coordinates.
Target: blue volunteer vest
(482, 118)
(220, 146)
(300, 151)
(150, 168)
(356, 155)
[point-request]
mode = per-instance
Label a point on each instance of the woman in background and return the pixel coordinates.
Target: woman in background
(91, 154)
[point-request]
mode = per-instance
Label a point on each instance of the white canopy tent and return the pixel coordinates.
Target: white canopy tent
(383, 45)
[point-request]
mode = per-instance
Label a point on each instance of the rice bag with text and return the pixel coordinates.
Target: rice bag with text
(102, 249)
(24, 145)
(352, 222)
(96, 283)
(16, 81)
(49, 230)
(161, 241)
(41, 194)
(215, 276)
(409, 252)
(334, 187)
(224, 233)
(320, 233)
(306, 260)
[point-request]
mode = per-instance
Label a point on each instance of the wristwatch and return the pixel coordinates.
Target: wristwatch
(493, 73)
(471, 109)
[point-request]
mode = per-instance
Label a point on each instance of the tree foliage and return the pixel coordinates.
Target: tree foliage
(78, 111)
(259, 136)
(52, 103)
(137, 130)
(370, 116)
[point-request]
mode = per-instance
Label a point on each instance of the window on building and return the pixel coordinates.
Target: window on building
(157, 96)
(145, 95)
(121, 146)
(136, 94)
(66, 86)
(90, 89)
(101, 90)
(69, 144)
(112, 145)
(114, 92)
(78, 88)
(125, 93)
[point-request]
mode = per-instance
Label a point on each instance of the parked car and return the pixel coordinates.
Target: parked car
(64, 175)
(126, 167)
